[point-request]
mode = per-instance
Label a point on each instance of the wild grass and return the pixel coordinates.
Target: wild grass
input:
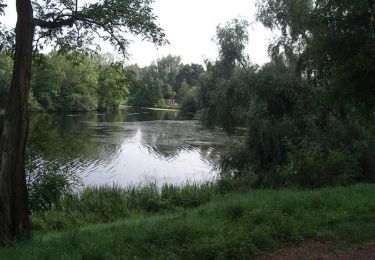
(229, 226)
(106, 204)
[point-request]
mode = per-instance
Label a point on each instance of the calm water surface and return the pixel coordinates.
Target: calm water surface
(127, 147)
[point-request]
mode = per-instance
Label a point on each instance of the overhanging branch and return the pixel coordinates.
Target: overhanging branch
(54, 24)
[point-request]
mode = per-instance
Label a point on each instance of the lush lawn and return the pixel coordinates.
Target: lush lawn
(235, 225)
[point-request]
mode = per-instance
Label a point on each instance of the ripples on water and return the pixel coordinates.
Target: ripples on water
(128, 147)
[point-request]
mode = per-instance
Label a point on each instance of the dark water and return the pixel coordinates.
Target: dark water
(127, 147)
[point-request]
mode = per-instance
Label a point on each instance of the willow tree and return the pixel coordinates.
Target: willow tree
(67, 26)
(334, 43)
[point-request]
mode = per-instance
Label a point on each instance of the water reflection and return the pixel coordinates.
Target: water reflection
(127, 146)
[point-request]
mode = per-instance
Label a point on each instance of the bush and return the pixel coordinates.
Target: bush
(311, 166)
(48, 184)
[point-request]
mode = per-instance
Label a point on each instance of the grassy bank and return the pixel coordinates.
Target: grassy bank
(234, 225)
(95, 205)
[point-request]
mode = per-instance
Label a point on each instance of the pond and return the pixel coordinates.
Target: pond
(126, 147)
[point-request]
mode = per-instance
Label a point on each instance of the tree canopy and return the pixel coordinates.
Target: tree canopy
(69, 26)
(334, 42)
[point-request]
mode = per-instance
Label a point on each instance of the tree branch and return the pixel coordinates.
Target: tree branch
(54, 24)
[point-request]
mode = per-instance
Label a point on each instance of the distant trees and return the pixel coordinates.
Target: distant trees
(113, 86)
(165, 80)
(95, 82)
(59, 85)
(62, 82)
(189, 74)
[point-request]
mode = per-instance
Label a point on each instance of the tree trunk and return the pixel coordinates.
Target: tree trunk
(14, 211)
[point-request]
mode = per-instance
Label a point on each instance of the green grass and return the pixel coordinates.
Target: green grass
(230, 226)
(107, 204)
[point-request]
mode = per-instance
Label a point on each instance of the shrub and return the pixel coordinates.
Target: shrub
(48, 184)
(311, 166)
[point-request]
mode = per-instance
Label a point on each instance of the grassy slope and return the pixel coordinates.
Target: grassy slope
(235, 225)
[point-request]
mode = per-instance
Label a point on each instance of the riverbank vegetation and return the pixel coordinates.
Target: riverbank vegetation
(308, 113)
(233, 225)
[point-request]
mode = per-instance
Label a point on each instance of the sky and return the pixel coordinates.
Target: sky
(190, 26)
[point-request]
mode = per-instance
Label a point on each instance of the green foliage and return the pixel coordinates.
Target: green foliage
(334, 44)
(106, 203)
(93, 83)
(113, 87)
(167, 69)
(62, 208)
(159, 84)
(73, 82)
(59, 85)
(182, 92)
(232, 39)
(6, 69)
(225, 100)
(285, 111)
(70, 27)
(188, 74)
(7, 39)
(232, 226)
(223, 87)
(310, 167)
(48, 185)
(303, 99)
(49, 181)
(33, 104)
(282, 106)
(190, 101)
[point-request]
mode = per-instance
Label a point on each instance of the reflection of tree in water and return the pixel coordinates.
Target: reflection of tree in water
(64, 139)
(167, 139)
(95, 142)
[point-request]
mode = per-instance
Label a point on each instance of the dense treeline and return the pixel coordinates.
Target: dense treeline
(61, 83)
(165, 83)
(86, 83)
(309, 112)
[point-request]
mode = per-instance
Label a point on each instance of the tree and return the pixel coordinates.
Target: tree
(59, 86)
(333, 42)
(190, 74)
(232, 39)
(66, 26)
(168, 68)
(113, 86)
(221, 94)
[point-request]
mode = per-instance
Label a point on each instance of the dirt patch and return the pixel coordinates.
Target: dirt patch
(321, 251)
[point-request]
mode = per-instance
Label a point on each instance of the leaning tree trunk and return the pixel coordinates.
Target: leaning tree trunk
(14, 211)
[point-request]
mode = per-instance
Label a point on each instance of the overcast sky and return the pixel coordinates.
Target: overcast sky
(190, 26)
